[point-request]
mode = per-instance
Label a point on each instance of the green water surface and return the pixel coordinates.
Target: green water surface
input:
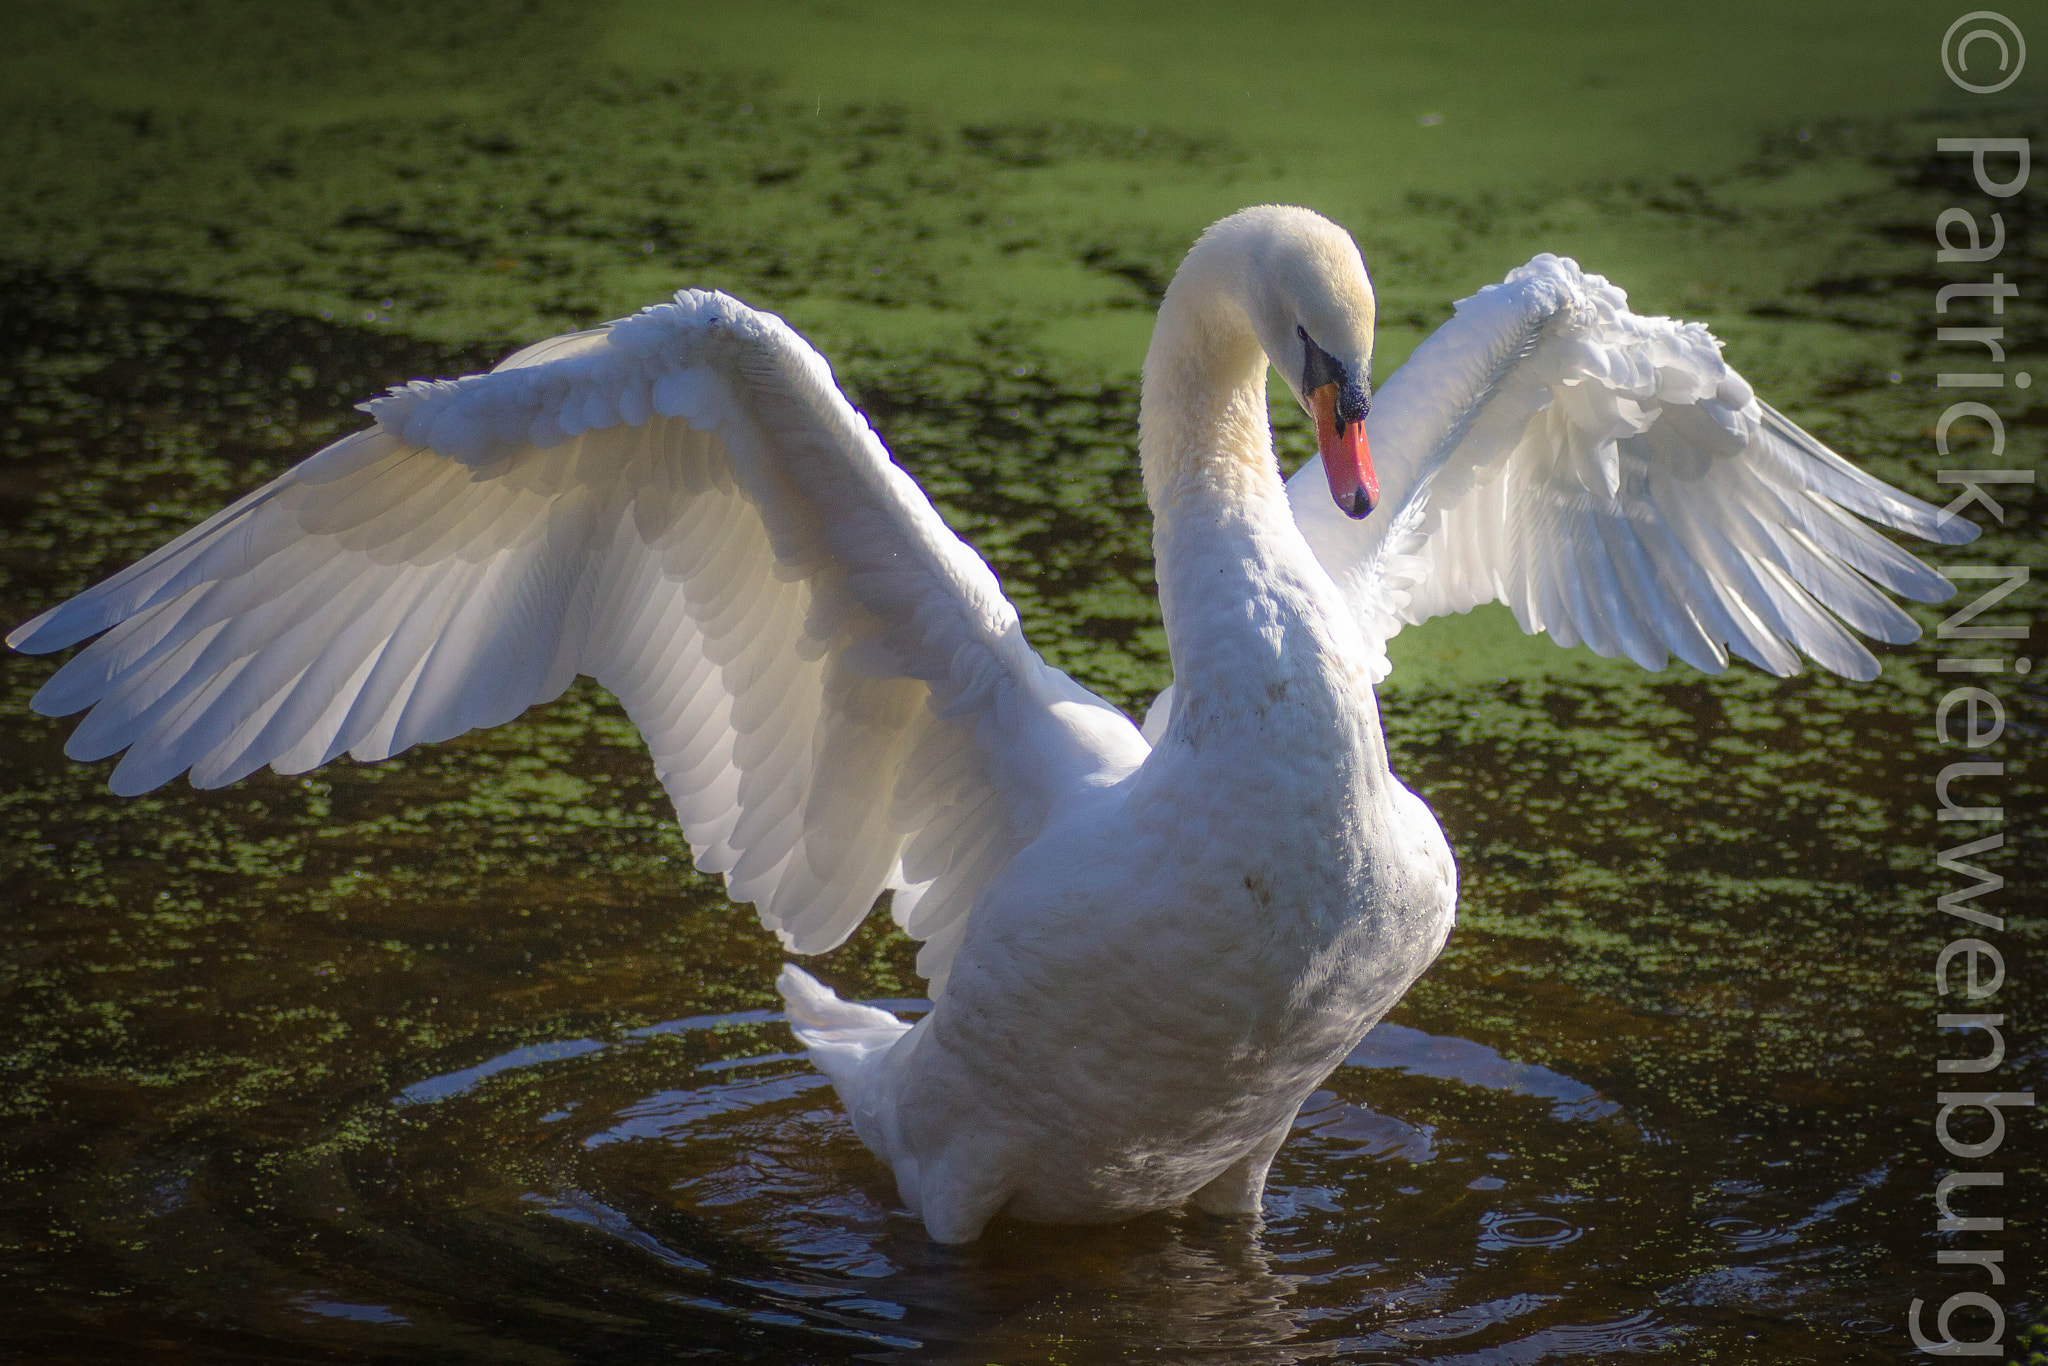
(455, 1058)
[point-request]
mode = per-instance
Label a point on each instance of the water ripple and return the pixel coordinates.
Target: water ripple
(1500, 1231)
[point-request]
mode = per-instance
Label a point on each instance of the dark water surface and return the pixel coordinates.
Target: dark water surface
(453, 1058)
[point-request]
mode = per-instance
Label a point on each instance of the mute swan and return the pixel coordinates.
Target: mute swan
(1145, 950)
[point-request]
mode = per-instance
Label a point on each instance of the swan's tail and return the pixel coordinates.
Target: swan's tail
(840, 1035)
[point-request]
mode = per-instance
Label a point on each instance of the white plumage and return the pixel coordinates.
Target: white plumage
(1143, 952)
(1613, 481)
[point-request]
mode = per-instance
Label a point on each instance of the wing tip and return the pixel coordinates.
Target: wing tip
(52, 707)
(136, 784)
(41, 634)
(1954, 529)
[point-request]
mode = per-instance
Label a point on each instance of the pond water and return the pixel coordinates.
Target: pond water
(454, 1058)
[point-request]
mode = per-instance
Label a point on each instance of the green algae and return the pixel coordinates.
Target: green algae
(492, 171)
(1707, 897)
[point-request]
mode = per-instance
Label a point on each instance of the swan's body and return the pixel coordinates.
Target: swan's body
(1148, 991)
(1142, 956)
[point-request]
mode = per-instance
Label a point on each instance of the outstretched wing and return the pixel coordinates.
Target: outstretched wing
(837, 695)
(1613, 481)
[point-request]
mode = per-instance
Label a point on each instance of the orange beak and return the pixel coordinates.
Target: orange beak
(1347, 459)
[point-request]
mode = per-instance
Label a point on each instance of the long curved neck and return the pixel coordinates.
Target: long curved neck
(1254, 625)
(1203, 431)
(1258, 635)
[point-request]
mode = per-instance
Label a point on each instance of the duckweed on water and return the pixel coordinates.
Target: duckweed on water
(1701, 897)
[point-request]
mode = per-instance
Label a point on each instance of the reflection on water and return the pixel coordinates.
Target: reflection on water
(455, 1083)
(1430, 1206)
(361, 1313)
(1410, 1050)
(753, 1153)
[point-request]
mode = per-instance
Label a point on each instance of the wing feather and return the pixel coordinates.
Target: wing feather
(835, 693)
(1609, 478)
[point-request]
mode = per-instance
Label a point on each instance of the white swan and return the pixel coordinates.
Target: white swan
(1142, 956)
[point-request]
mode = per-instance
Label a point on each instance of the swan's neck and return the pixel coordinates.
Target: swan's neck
(1204, 437)
(1258, 634)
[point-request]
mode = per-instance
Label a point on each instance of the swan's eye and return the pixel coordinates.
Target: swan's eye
(1318, 366)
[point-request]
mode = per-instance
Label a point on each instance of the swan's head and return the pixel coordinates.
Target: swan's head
(1305, 290)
